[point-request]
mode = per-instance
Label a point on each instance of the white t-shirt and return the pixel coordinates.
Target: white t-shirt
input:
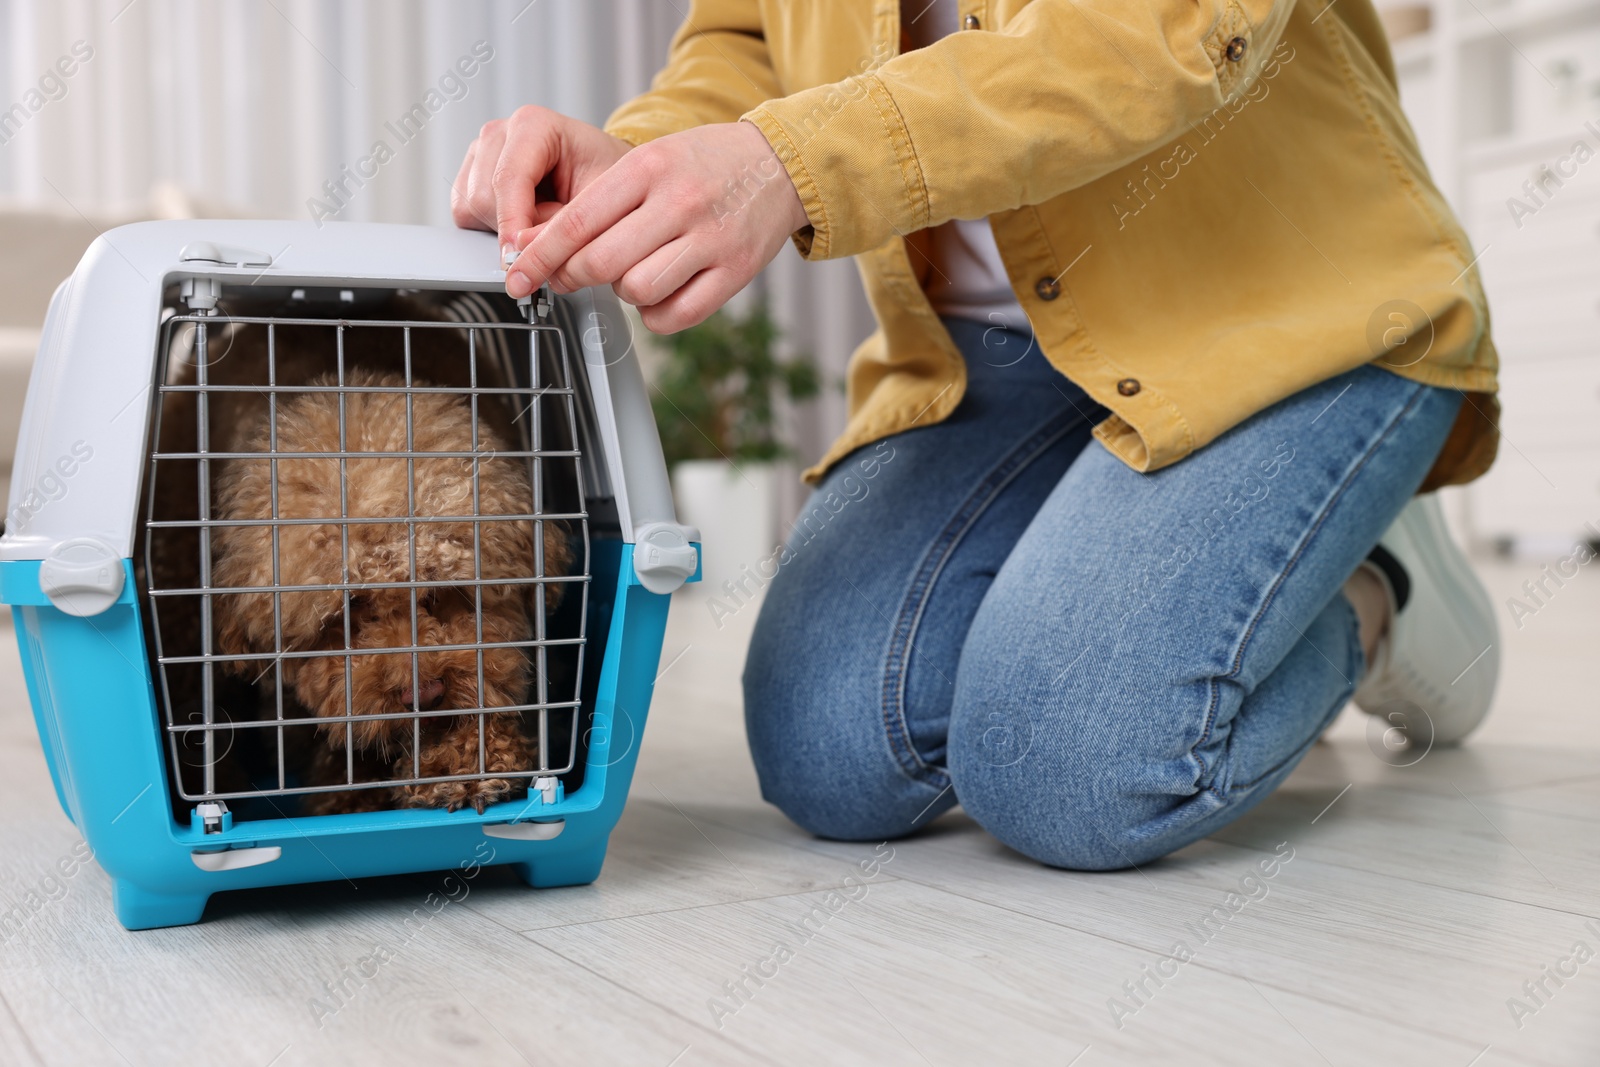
(969, 280)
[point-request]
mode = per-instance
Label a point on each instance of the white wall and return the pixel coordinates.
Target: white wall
(255, 103)
(250, 106)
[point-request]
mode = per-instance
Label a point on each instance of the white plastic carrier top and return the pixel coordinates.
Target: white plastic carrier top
(91, 383)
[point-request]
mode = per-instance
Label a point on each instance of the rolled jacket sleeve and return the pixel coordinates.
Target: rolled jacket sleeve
(718, 67)
(985, 121)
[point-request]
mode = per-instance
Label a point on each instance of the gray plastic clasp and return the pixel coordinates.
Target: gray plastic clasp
(664, 556)
(201, 294)
(223, 255)
(536, 305)
(82, 577)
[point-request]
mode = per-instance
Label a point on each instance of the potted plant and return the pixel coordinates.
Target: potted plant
(718, 390)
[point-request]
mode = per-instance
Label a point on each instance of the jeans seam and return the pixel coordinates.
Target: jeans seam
(1283, 574)
(902, 636)
(1356, 660)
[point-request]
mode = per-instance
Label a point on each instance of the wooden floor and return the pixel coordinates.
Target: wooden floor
(1421, 904)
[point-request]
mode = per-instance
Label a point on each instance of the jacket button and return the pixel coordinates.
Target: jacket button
(971, 22)
(1128, 386)
(1236, 49)
(1047, 288)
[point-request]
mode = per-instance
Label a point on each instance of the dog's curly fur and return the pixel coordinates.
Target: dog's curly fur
(243, 360)
(444, 553)
(381, 552)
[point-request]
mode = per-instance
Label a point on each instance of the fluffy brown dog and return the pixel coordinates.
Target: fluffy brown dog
(445, 615)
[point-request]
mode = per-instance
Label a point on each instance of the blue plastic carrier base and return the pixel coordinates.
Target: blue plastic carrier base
(110, 772)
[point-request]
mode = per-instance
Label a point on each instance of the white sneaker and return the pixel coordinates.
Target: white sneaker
(1441, 655)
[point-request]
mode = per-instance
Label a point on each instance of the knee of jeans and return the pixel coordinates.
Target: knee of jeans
(823, 759)
(1058, 822)
(1055, 799)
(863, 815)
(854, 798)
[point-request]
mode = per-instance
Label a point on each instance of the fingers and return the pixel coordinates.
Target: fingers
(695, 302)
(598, 207)
(528, 152)
(543, 212)
(460, 214)
(475, 209)
(649, 220)
(660, 274)
(616, 251)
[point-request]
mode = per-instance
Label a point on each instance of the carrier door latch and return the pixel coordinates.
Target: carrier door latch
(664, 556)
(223, 255)
(537, 304)
(548, 788)
(201, 294)
(82, 577)
(212, 817)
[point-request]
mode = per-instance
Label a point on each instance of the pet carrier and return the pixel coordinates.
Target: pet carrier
(329, 560)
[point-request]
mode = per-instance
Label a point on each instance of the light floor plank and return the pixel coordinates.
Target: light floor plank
(908, 974)
(663, 858)
(325, 974)
(1576, 799)
(1350, 755)
(1422, 956)
(1471, 844)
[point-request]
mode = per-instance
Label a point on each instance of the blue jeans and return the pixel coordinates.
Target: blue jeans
(1100, 666)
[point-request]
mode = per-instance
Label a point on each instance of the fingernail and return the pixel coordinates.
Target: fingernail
(507, 254)
(518, 285)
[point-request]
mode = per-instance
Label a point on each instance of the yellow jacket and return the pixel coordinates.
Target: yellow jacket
(1204, 206)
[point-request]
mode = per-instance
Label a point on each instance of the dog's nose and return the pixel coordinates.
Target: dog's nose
(432, 693)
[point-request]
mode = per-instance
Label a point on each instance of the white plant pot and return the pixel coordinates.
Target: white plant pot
(735, 509)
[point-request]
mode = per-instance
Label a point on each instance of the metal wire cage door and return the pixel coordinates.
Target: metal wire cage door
(288, 452)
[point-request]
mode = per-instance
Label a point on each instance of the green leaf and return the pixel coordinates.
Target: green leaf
(717, 395)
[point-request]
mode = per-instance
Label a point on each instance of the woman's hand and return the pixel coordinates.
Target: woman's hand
(676, 226)
(522, 170)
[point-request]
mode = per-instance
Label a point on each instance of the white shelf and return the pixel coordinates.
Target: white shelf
(1493, 91)
(1514, 148)
(1484, 24)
